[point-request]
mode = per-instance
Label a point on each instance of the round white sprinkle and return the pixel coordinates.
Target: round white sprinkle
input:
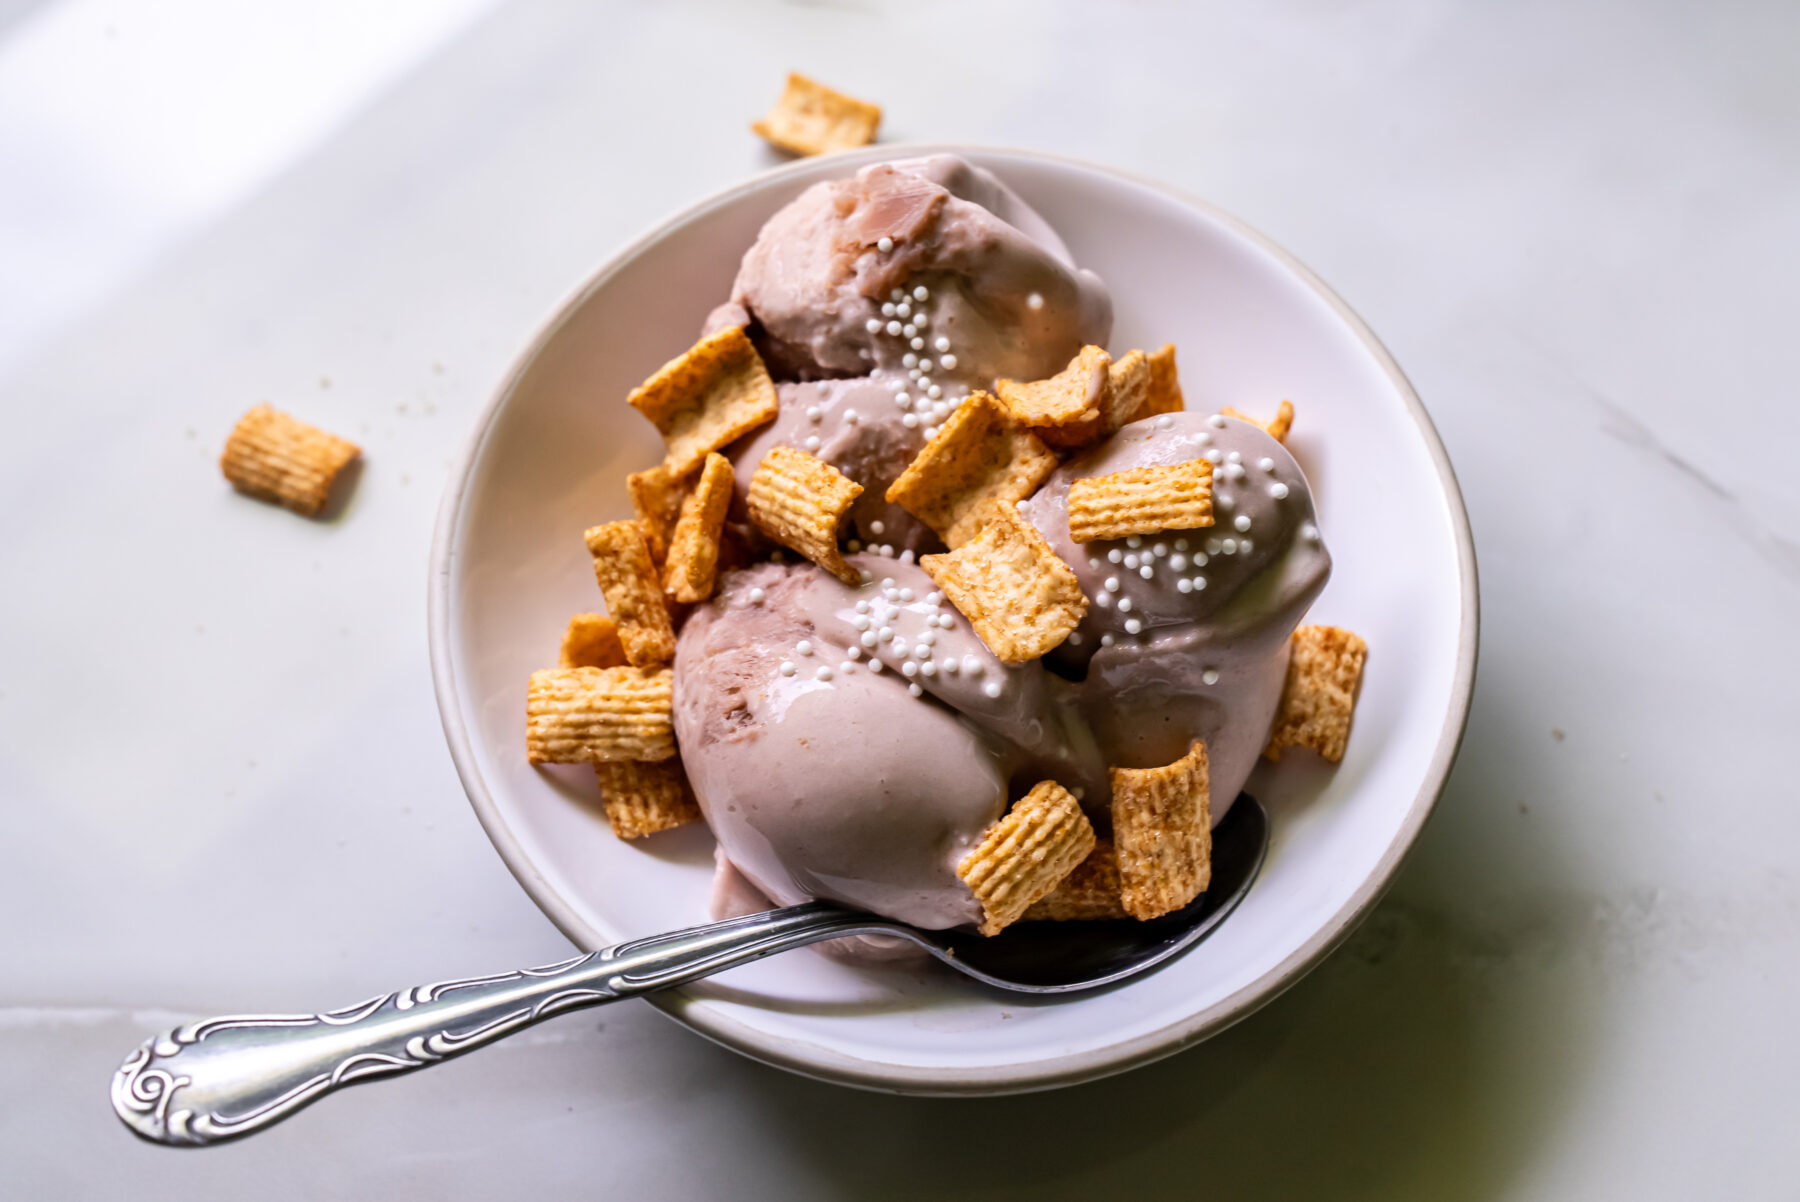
(1112, 584)
(1132, 626)
(874, 664)
(934, 392)
(1213, 547)
(909, 360)
(1199, 583)
(915, 690)
(1210, 676)
(1124, 605)
(1234, 457)
(887, 549)
(920, 650)
(918, 344)
(885, 634)
(1199, 559)
(946, 622)
(906, 594)
(1114, 555)
(1134, 542)
(861, 623)
(952, 666)
(934, 598)
(887, 310)
(824, 672)
(823, 387)
(908, 668)
(847, 667)
(902, 310)
(941, 343)
(1103, 599)
(756, 596)
(910, 421)
(1094, 562)
(1309, 532)
(1164, 421)
(1228, 546)
(862, 607)
(893, 327)
(1244, 546)
(1216, 421)
(948, 362)
(885, 245)
(1278, 490)
(814, 413)
(902, 401)
(931, 432)
(1234, 471)
(1181, 544)
(1074, 638)
(1213, 456)
(804, 647)
(1131, 561)
(924, 365)
(921, 293)
(1202, 438)
(1147, 571)
(787, 667)
(873, 325)
(1223, 501)
(1184, 585)
(854, 652)
(921, 319)
(973, 666)
(927, 639)
(1178, 562)
(877, 527)
(1242, 522)
(991, 688)
(812, 442)
(1266, 464)
(1034, 301)
(851, 417)
(928, 669)
(1160, 550)
(1106, 640)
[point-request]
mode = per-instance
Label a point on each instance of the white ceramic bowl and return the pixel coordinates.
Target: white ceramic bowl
(549, 458)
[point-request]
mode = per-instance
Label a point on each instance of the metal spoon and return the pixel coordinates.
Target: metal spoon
(223, 1078)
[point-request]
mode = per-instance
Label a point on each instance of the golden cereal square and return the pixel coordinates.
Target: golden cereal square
(693, 559)
(1022, 857)
(800, 501)
(656, 496)
(1068, 396)
(981, 462)
(1018, 596)
(642, 799)
(1162, 830)
(811, 118)
(591, 641)
(1276, 427)
(275, 457)
(1318, 698)
(1088, 894)
(707, 397)
(596, 715)
(634, 596)
(1141, 500)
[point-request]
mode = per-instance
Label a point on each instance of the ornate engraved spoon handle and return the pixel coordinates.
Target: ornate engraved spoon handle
(226, 1077)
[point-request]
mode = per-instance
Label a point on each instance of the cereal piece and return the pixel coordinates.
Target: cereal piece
(1141, 500)
(1127, 389)
(591, 641)
(656, 495)
(1318, 698)
(1022, 857)
(279, 458)
(1020, 598)
(1162, 829)
(1165, 384)
(694, 549)
(980, 463)
(634, 597)
(641, 799)
(1277, 427)
(709, 396)
(811, 118)
(800, 501)
(1070, 395)
(1089, 894)
(593, 715)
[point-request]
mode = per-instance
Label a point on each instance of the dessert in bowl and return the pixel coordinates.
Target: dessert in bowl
(876, 769)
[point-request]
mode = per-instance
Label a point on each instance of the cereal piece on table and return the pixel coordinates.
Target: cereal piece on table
(1165, 384)
(1019, 597)
(1162, 830)
(811, 118)
(641, 799)
(1070, 395)
(591, 641)
(706, 398)
(694, 549)
(800, 501)
(1141, 500)
(1022, 857)
(981, 463)
(279, 458)
(595, 715)
(1089, 894)
(634, 597)
(1318, 698)
(1276, 427)
(656, 496)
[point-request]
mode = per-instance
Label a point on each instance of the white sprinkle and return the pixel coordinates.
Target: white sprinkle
(1309, 532)
(1210, 676)
(1213, 456)
(1213, 547)
(874, 664)
(928, 669)
(1164, 421)
(909, 330)
(898, 294)
(927, 639)
(1114, 555)
(1216, 421)
(887, 310)
(866, 575)
(910, 421)
(902, 310)
(814, 413)
(1228, 546)
(1181, 544)
(787, 667)
(924, 365)
(1178, 562)
(1223, 501)
(1112, 584)
(893, 327)
(991, 688)
(934, 598)
(941, 343)
(1266, 464)
(952, 666)
(1094, 562)
(885, 245)
(1147, 571)
(908, 668)
(946, 622)
(1034, 301)
(804, 647)
(756, 596)
(1242, 522)
(973, 666)
(921, 650)
(909, 360)
(1160, 550)
(877, 527)
(1132, 625)
(902, 401)
(873, 325)
(1103, 599)
(1074, 638)
(921, 293)
(1106, 640)
(847, 667)
(1278, 490)
(931, 432)
(934, 392)
(812, 442)
(861, 622)
(948, 362)
(824, 672)
(885, 634)
(1234, 471)
(1200, 559)
(899, 647)
(915, 690)
(887, 549)
(1234, 457)
(1184, 585)
(906, 594)
(1201, 438)
(823, 387)
(918, 344)
(1244, 546)
(1124, 605)
(921, 319)
(851, 417)
(1131, 561)
(854, 652)
(1134, 542)
(1020, 504)
(1199, 583)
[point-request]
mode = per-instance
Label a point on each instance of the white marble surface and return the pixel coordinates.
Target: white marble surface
(1577, 227)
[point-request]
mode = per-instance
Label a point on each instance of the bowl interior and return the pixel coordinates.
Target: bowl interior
(1252, 327)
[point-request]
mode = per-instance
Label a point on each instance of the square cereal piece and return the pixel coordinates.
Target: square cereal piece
(706, 398)
(1165, 384)
(634, 597)
(1019, 597)
(980, 463)
(1127, 389)
(641, 799)
(1277, 427)
(591, 641)
(1022, 857)
(279, 458)
(1162, 829)
(656, 496)
(1318, 698)
(1141, 500)
(1070, 395)
(694, 548)
(1089, 894)
(800, 501)
(811, 118)
(596, 715)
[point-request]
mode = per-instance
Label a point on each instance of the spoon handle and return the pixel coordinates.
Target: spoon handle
(221, 1078)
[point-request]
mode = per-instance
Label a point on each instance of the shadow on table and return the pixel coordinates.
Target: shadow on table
(1428, 1058)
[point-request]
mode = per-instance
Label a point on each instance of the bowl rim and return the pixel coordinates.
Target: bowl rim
(809, 1059)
